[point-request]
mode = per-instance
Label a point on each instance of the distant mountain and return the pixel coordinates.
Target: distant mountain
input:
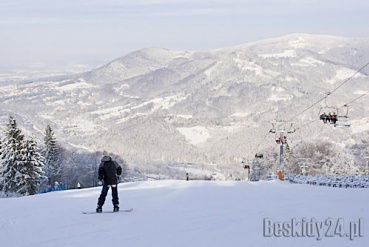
(214, 106)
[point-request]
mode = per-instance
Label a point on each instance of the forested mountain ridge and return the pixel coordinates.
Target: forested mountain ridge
(213, 106)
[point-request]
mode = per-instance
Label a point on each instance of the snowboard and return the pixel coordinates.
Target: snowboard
(104, 212)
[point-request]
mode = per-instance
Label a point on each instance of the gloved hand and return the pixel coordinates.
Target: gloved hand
(100, 182)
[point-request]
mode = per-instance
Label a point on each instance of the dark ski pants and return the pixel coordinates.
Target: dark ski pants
(104, 192)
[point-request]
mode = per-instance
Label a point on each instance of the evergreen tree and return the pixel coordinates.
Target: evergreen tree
(51, 154)
(290, 166)
(31, 171)
(11, 157)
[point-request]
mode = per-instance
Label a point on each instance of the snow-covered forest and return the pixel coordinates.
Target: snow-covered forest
(28, 166)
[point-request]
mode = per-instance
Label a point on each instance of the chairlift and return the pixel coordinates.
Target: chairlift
(331, 117)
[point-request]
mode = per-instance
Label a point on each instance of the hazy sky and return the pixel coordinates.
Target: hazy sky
(41, 34)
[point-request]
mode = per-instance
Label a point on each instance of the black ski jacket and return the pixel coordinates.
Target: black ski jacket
(109, 170)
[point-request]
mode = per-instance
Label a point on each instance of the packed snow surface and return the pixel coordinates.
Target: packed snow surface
(181, 213)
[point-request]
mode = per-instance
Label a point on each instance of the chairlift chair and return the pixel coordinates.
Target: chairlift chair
(325, 111)
(343, 120)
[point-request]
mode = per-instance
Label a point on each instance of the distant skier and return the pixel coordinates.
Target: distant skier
(109, 171)
(187, 176)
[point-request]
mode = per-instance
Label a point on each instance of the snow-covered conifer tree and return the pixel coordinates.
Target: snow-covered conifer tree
(11, 157)
(51, 155)
(289, 164)
(31, 173)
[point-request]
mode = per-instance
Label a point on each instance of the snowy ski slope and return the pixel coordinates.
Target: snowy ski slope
(181, 214)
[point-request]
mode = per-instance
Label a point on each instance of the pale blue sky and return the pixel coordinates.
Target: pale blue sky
(42, 34)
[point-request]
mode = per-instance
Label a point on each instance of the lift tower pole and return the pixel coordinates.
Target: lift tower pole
(281, 139)
(281, 157)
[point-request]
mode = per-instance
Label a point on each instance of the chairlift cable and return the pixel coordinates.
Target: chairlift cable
(308, 108)
(263, 139)
(350, 78)
(306, 124)
(330, 93)
(320, 100)
(347, 104)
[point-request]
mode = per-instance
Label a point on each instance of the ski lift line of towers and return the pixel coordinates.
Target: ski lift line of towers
(336, 119)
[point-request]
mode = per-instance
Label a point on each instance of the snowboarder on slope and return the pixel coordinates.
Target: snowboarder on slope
(109, 171)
